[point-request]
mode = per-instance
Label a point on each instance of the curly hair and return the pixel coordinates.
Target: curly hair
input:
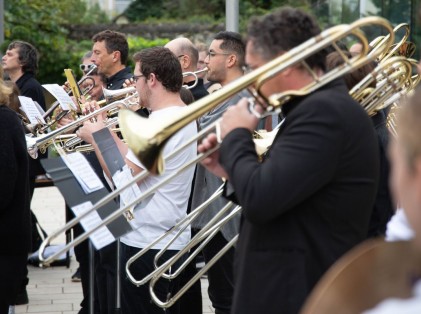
(28, 55)
(114, 41)
(282, 30)
(164, 64)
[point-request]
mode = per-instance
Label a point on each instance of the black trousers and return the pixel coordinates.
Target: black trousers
(220, 275)
(11, 276)
(106, 278)
(137, 300)
(82, 256)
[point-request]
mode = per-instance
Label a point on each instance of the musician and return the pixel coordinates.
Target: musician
(383, 208)
(82, 273)
(20, 63)
(225, 61)
(310, 200)
(188, 55)
(406, 189)
(110, 52)
(203, 53)
(15, 227)
(158, 80)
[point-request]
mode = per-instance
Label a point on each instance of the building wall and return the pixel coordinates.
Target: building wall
(111, 7)
(333, 12)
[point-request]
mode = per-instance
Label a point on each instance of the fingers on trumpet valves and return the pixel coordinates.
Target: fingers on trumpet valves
(128, 82)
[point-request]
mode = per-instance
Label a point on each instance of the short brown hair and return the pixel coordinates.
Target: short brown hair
(164, 64)
(114, 41)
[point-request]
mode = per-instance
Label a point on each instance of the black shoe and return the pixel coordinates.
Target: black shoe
(76, 276)
(22, 298)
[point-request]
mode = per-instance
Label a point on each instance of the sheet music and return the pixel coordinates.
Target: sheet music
(31, 109)
(101, 237)
(83, 172)
(122, 177)
(66, 102)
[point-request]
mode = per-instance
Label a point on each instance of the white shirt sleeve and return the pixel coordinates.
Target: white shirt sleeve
(132, 158)
(398, 228)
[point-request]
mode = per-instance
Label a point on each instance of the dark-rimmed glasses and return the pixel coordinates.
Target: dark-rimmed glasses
(136, 77)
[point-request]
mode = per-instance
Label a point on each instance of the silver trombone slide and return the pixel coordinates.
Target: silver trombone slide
(197, 239)
(183, 224)
(168, 263)
(196, 277)
(204, 236)
(117, 213)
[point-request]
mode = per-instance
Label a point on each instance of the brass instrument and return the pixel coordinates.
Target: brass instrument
(146, 138)
(392, 77)
(196, 78)
(391, 120)
(156, 135)
(394, 49)
(75, 89)
(113, 99)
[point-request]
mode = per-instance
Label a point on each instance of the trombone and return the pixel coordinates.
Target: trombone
(150, 146)
(146, 139)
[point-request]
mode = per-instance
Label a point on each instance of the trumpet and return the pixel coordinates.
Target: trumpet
(114, 99)
(196, 78)
(149, 148)
(73, 90)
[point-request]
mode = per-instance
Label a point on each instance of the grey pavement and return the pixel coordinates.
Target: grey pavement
(51, 290)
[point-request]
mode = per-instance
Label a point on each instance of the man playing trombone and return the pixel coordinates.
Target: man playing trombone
(310, 200)
(158, 80)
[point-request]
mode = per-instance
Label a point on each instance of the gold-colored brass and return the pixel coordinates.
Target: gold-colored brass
(147, 138)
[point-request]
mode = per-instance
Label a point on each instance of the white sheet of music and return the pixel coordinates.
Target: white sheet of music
(31, 109)
(102, 236)
(66, 102)
(83, 172)
(122, 177)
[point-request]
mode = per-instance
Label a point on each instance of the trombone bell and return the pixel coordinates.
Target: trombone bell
(137, 130)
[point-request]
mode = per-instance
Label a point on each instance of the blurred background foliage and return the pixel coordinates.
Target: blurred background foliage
(47, 23)
(43, 23)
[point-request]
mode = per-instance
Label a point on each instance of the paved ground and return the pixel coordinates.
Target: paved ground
(51, 290)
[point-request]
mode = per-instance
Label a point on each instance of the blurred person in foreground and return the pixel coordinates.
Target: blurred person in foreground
(405, 154)
(15, 241)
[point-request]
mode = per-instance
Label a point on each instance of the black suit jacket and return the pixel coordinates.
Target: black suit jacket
(30, 87)
(15, 228)
(307, 204)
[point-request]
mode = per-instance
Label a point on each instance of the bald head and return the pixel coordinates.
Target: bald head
(184, 47)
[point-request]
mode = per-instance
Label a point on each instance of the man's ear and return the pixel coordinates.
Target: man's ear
(231, 60)
(186, 61)
(151, 79)
(116, 56)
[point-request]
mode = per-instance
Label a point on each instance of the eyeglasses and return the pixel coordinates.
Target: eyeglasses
(136, 77)
(86, 67)
(180, 56)
(212, 54)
